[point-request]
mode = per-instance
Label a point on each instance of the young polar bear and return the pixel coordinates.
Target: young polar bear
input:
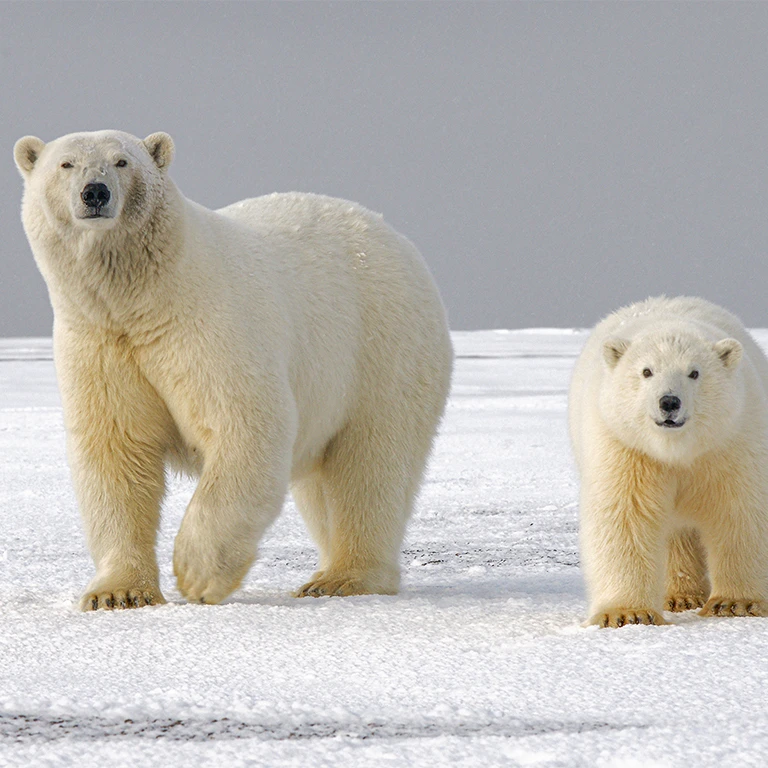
(288, 339)
(668, 415)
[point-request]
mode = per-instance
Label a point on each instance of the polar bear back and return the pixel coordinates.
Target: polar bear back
(329, 250)
(333, 247)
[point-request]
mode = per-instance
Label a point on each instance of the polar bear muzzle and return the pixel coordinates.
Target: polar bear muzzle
(95, 196)
(669, 406)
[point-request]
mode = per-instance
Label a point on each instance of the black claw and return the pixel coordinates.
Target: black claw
(94, 603)
(651, 620)
(620, 621)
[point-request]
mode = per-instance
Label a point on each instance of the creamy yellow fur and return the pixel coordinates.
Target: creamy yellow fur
(286, 340)
(672, 518)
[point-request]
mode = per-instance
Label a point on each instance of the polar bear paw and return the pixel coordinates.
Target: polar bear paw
(199, 584)
(728, 606)
(208, 577)
(208, 565)
(683, 602)
(330, 584)
(620, 617)
(119, 599)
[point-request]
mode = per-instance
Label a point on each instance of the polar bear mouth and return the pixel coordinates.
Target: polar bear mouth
(95, 215)
(671, 423)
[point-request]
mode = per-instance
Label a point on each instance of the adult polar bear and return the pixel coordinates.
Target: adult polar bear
(288, 339)
(668, 415)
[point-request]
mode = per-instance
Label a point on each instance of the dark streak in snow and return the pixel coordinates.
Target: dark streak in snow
(28, 728)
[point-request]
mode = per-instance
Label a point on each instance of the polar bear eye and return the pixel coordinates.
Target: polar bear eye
(66, 164)
(693, 375)
(647, 372)
(121, 163)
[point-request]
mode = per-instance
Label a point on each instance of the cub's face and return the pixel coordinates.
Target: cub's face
(672, 396)
(92, 181)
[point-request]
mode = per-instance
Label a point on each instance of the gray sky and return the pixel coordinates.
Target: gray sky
(551, 161)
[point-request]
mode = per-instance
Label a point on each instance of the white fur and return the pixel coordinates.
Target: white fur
(289, 339)
(672, 516)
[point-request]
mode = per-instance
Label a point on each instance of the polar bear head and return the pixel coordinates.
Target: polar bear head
(92, 181)
(672, 395)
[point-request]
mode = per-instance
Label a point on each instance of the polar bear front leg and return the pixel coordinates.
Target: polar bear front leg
(736, 541)
(120, 513)
(240, 493)
(623, 510)
(117, 433)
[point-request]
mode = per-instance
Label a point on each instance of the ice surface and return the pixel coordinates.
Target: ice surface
(480, 660)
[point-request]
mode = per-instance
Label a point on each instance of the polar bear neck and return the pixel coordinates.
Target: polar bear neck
(120, 280)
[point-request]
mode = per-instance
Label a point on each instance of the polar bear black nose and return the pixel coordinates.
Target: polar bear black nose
(669, 403)
(95, 195)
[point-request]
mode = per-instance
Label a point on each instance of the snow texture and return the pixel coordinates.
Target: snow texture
(479, 661)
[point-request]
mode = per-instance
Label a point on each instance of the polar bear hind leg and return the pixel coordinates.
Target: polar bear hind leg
(357, 503)
(687, 583)
(309, 495)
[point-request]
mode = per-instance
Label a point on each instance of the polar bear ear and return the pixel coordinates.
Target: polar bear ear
(729, 351)
(25, 153)
(160, 148)
(613, 349)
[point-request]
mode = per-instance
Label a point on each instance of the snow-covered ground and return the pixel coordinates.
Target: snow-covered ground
(480, 660)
